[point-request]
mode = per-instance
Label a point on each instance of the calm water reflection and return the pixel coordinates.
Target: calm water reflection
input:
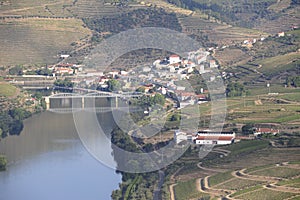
(47, 161)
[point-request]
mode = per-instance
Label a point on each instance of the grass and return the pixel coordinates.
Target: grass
(246, 146)
(187, 190)
(277, 63)
(295, 162)
(252, 169)
(282, 172)
(266, 194)
(219, 178)
(291, 97)
(7, 90)
(249, 189)
(238, 184)
(289, 182)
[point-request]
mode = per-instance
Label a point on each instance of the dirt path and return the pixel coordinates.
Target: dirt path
(171, 187)
(199, 165)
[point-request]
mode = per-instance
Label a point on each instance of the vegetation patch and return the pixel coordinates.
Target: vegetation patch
(282, 172)
(7, 90)
(266, 194)
(219, 178)
(187, 190)
(249, 189)
(3, 162)
(247, 146)
(238, 184)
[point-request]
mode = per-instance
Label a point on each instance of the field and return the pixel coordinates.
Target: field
(279, 63)
(187, 190)
(281, 172)
(219, 178)
(7, 90)
(38, 41)
(265, 194)
(237, 184)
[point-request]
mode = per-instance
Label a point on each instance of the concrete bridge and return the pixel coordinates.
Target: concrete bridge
(85, 101)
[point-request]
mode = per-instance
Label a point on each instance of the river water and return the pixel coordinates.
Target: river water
(48, 161)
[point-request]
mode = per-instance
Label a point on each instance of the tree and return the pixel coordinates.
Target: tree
(248, 129)
(159, 99)
(3, 162)
(141, 89)
(175, 117)
(113, 85)
(235, 89)
(16, 127)
(17, 70)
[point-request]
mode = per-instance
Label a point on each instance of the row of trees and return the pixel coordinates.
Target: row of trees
(293, 81)
(134, 19)
(235, 89)
(230, 11)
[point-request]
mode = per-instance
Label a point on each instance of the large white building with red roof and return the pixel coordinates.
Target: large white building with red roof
(205, 137)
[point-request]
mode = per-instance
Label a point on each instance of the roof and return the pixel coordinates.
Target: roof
(223, 138)
(267, 130)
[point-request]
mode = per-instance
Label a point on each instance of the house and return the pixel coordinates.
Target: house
(205, 137)
(63, 56)
(174, 59)
(214, 138)
(260, 131)
(180, 136)
(281, 34)
(212, 64)
(63, 70)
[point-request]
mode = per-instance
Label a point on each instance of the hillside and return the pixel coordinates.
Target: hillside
(266, 15)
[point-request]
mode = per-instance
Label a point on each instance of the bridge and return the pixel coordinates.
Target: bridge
(84, 100)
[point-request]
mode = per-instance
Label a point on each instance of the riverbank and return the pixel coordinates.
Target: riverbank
(49, 151)
(3, 163)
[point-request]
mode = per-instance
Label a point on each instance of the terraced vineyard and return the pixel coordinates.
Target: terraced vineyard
(215, 32)
(280, 172)
(38, 40)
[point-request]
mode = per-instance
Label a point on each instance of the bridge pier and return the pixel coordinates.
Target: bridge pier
(116, 102)
(47, 101)
(82, 102)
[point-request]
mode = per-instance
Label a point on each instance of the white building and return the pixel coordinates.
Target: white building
(217, 138)
(174, 59)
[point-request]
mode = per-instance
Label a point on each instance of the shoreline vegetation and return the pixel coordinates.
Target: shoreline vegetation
(3, 163)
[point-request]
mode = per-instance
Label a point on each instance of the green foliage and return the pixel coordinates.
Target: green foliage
(294, 81)
(232, 11)
(17, 70)
(137, 18)
(113, 85)
(219, 178)
(3, 162)
(248, 129)
(295, 2)
(187, 190)
(44, 71)
(235, 89)
(19, 113)
(141, 89)
(148, 101)
(175, 117)
(16, 128)
(67, 84)
(7, 90)
(11, 121)
(37, 95)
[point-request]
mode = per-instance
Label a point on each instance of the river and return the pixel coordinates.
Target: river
(48, 161)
